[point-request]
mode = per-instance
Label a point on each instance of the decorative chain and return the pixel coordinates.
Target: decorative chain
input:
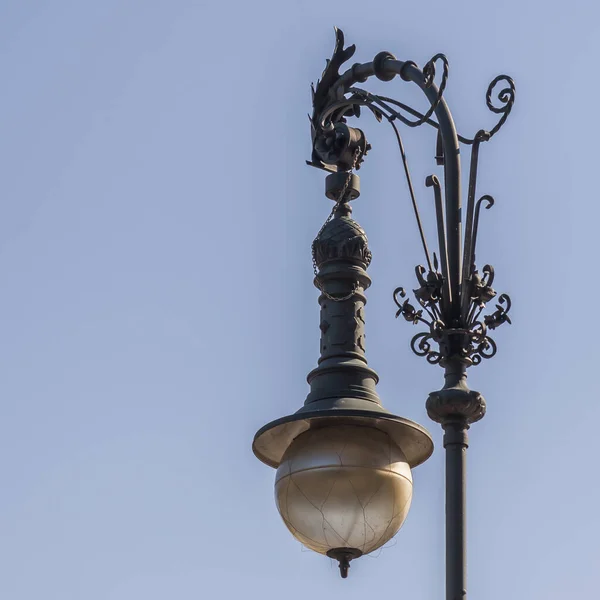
(339, 298)
(339, 200)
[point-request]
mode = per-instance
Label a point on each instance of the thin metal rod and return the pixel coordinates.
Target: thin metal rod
(433, 181)
(468, 250)
(456, 443)
(412, 194)
(451, 178)
(490, 202)
(383, 100)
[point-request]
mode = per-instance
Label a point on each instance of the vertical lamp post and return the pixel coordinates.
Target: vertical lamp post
(343, 485)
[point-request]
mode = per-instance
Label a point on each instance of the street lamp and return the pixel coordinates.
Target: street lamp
(343, 485)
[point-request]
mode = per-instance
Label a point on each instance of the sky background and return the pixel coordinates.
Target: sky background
(156, 304)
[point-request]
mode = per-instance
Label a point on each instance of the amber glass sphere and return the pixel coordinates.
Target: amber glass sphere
(343, 486)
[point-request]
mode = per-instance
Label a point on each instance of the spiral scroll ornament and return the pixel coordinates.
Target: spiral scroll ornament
(506, 97)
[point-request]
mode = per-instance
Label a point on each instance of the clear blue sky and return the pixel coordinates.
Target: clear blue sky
(156, 304)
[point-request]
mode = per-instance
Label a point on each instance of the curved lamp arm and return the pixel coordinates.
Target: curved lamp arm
(387, 69)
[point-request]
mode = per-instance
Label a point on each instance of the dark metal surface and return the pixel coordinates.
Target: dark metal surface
(456, 443)
(342, 185)
(450, 299)
(452, 292)
(342, 386)
(344, 556)
(456, 330)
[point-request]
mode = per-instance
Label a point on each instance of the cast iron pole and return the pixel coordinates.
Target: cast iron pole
(456, 443)
(455, 407)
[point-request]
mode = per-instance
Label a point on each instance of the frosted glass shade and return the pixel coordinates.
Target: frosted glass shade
(343, 486)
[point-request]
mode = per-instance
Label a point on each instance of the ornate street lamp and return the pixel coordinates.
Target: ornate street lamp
(343, 485)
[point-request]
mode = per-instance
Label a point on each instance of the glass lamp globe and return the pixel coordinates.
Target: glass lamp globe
(343, 490)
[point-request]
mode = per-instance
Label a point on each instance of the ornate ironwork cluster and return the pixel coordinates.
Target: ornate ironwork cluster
(470, 342)
(452, 293)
